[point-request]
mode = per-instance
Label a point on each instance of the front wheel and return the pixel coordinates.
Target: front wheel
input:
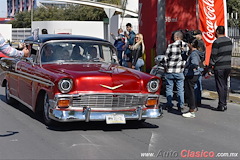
(9, 99)
(46, 107)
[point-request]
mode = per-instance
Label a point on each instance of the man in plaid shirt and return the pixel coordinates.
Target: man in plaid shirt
(174, 70)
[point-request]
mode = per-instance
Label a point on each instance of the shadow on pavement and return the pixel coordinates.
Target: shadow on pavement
(9, 133)
(206, 106)
(86, 126)
(19, 106)
(69, 126)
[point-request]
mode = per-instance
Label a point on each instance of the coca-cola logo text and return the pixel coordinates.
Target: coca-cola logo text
(209, 12)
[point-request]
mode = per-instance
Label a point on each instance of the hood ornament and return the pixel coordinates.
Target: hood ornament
(111, 88)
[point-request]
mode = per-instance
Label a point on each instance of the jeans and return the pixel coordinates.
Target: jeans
(139, 64)
(178, 79)
(120, 56)
(198, 90)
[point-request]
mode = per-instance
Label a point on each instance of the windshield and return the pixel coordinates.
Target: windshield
(77, 52)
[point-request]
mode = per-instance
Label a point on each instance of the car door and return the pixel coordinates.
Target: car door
(25, 81)
(26, 68)
(11, 76)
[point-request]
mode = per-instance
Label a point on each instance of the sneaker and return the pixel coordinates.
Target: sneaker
(189, 115)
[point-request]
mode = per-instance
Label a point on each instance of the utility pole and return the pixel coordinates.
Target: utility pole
(32, 13)
(161, 27)
(109, 12)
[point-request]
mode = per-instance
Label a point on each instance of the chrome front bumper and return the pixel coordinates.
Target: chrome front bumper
(88, 115)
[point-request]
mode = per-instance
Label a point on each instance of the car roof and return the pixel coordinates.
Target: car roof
(47, 37)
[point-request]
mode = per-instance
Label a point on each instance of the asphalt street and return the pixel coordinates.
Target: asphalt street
(212, 134)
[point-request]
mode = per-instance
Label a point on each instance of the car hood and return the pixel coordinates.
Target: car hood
(100, 77)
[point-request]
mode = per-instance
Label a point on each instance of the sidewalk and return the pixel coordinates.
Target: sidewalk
(209, 88)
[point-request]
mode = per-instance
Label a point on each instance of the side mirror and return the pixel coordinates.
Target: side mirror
(115, 59)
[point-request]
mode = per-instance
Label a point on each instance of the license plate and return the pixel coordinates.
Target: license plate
(115, 119)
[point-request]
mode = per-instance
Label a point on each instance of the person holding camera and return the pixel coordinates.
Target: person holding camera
(119, 43)
(5, 48)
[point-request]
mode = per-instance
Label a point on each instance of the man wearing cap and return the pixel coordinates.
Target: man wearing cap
(201, 47)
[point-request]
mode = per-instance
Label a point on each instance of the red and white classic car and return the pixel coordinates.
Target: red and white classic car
(77, 78)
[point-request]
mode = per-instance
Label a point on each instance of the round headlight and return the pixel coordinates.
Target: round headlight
(153, 85)
(65, 85)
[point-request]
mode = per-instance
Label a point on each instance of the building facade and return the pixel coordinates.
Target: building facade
(15, 6)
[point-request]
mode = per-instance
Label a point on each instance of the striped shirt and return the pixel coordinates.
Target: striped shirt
(221, 53)
(174, 62)
(7, 49)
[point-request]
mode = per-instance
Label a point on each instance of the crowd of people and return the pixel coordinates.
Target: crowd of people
(187, 73)
(130, 47)
(184, 65)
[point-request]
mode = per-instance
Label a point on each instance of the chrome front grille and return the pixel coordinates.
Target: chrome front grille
(108, 101)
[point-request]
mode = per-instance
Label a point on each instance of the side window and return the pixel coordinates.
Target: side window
(34, 51)
(93, 51)
(107, 54)
(47, 53)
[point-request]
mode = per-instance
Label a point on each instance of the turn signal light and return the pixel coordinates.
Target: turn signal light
(63, 103)
(151, 102)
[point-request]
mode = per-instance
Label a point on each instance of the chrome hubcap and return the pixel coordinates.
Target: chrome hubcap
(46, 107)
(7, 92)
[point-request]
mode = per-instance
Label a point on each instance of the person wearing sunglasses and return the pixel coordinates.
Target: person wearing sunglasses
(138, 50)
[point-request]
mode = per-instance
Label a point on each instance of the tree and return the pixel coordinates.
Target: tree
(71, 13)
(233, 7)
(117, 2)
(22, 20)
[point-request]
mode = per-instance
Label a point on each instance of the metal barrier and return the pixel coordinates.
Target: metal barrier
(236, 47)
(20, 34)
(234, 34)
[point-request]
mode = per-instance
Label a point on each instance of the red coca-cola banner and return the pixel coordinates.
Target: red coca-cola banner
(211, 15)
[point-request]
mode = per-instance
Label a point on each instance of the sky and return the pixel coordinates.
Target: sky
(3, 8)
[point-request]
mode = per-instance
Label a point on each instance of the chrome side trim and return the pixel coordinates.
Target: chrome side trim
(34, 78)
